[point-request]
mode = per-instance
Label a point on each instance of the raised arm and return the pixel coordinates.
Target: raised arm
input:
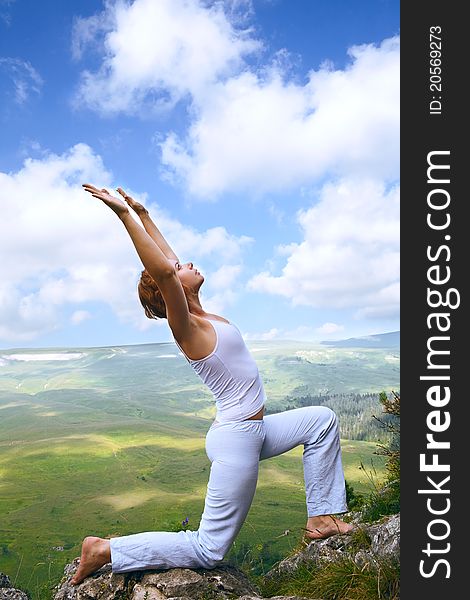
(160, 268)
(149, 225)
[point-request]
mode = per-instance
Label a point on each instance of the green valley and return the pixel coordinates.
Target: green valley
(110, 441)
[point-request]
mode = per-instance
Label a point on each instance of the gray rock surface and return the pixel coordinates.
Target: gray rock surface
(8, 592)
(223, 583)
(364, 545)
(4, 581)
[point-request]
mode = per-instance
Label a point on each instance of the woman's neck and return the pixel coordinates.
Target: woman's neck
(194, 304)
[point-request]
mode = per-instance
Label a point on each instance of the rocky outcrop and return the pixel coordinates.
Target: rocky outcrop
(8, 592)
(365, 545)
(222, 583)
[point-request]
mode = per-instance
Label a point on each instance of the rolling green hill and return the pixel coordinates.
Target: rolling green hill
(110, 441)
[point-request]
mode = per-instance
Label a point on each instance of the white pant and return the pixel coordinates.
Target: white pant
(235, 449)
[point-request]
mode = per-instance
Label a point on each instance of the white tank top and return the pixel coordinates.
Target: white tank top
(231, 374)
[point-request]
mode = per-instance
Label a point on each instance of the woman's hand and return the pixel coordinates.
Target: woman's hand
(136, 206)
(114, 204)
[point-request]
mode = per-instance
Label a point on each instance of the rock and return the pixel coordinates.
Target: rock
(385, 537)
(273, 598)
(146, 592)
(365, 544)
(7, 592)
(178, 584)
(12, 594)
(221, 583)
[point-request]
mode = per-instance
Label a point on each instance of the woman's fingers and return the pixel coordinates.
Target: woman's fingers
(127, 198)
(94, 190)
(89, 187)
(96, 193)
(130, 201)
(101, 194)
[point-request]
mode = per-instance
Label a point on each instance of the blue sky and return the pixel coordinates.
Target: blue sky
(263, 136)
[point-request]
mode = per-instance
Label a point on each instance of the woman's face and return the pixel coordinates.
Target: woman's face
(189, 276)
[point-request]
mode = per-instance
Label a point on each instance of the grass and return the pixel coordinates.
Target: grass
(382, 502)
(56, 491)
(341, 580)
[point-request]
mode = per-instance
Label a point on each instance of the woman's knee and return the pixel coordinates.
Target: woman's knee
(322, 414)
(331, 415)
(324, 420)
(211, 554)
(211, 562)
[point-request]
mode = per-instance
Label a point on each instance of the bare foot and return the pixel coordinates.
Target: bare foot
(96, 552)
(323, 526)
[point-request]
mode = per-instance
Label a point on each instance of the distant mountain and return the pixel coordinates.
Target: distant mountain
(379, 340)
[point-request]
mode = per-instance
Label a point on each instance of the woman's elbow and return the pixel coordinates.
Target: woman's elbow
(162, 274)
(168, 273)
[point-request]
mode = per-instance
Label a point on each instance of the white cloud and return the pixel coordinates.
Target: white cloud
(384, 305)
(219, 301)
(273, 334)
(349, 255)
(155, 53)
(21, 317)
(263, 133)
(63, 247)
(223, 288)
(250, 128)
(329, 328)
(225, 276)
(258, 130)
(239, 11)
(192, 245)
(79, 316)
(89, 32)
(25, 78)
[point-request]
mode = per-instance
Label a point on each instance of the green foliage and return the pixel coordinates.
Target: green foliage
(255, 559)
(385, 501)
(43, 591)
(354, 500)
(391, 407)
(385, 497)
(360, 539)
(355, 411)
(176, 525)
(340, 580)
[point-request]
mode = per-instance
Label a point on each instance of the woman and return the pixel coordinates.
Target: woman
(239, 437)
